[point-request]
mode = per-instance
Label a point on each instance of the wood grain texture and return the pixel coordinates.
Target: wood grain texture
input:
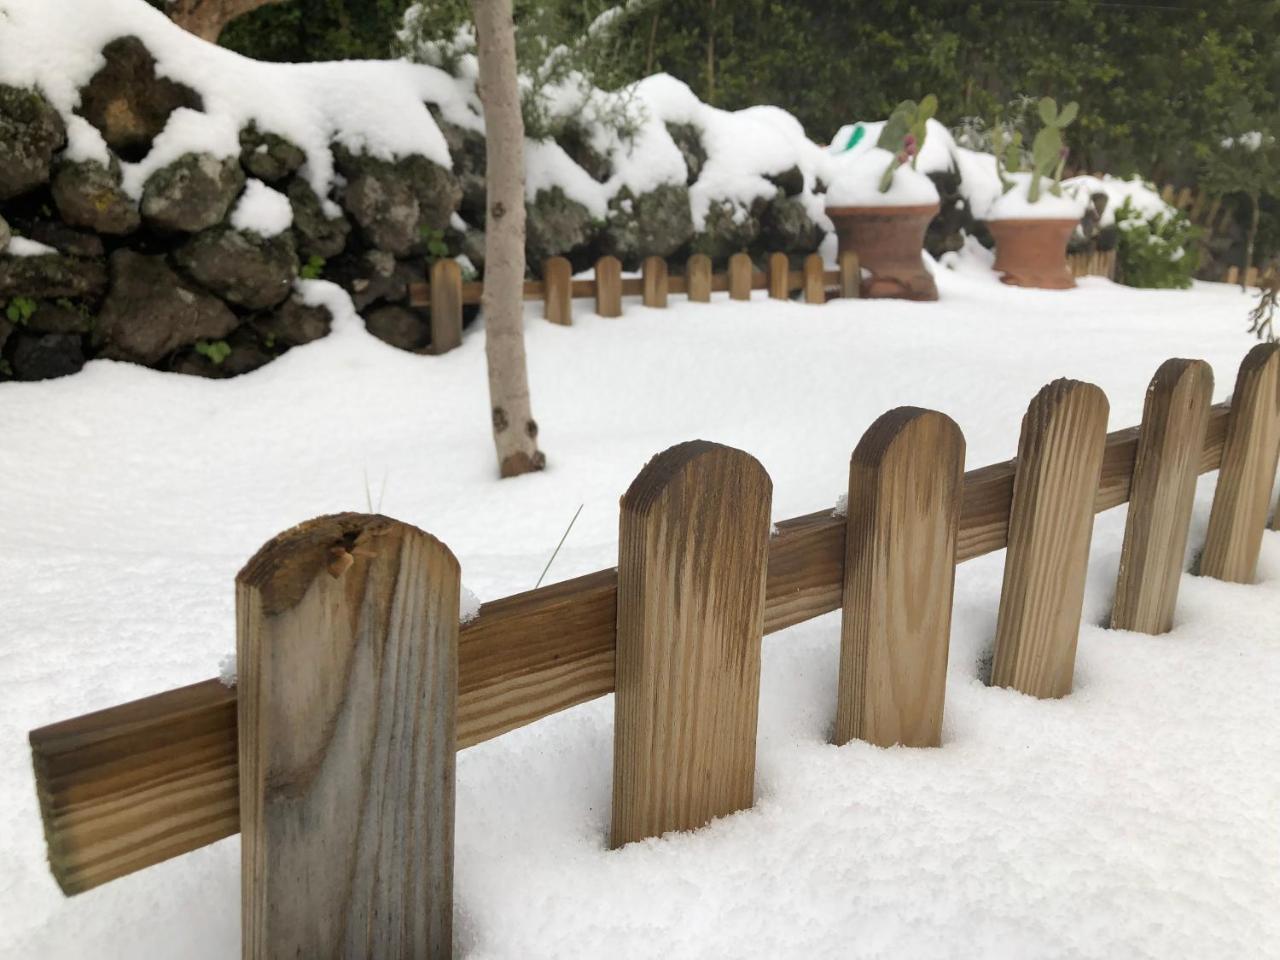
(557, 278)
(905, 478)
(346, 645)
(697, 274)
(130, 786)
(779, 277)
(446, 306)
(850, 274)
(1055, 486)
(1174, 419)
(740, 277)
(1243, 495)
(609, 287)
(815, 280)
(693, 544)
(654, 274)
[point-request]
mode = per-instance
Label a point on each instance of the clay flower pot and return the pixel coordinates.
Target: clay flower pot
(1033, 253)
(888, 241)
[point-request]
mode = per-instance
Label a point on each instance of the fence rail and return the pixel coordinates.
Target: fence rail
(127, 787)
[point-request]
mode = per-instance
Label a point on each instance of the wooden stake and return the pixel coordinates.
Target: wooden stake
(698, 278)
(557, 278)
(609, 287)
(1050, 526)
(346, 641)
(779, 277)
(740, 271)
(1174, 419)
(850, 275)
(1243, 495)
(815, 279)
(693, 542)
(446, 306)
(900, 554)
(654, 271)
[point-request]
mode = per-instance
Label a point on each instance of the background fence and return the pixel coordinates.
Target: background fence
(334, 756)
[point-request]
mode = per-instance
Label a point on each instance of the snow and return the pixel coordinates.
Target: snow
(262, 210)
(1016, 204)
(26, 247)
(855, 182)
(1134, 818)
(227, 670)
(1142, 196)
(937, 153)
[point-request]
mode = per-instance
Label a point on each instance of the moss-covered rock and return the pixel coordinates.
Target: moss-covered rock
(467, 150)
(193, 193)
(399, 326)
(88, 194)
(5, 234)
(43, 356)
(51, 275)
(786, 227)
(31, 132)
(269, 156)
(729, 228)
(292, 324)
(240, 267)
(317, 233)
(656, 223)
(555, 225)
(689, 139)
(398, 205)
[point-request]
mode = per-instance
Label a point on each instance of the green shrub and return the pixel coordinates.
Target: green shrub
(1158, 251)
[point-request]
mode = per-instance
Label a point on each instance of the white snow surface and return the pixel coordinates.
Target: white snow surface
(1143, 197)
(26, 247)
(1134, 818)
(262, 210)
(856, 176)
(1017, 204)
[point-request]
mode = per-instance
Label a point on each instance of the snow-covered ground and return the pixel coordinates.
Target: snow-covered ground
(1135, 818)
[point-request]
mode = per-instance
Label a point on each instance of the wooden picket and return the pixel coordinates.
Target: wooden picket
(609, 287)
(557, 294)
(446, 306)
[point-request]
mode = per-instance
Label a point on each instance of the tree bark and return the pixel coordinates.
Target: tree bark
(207, 18)
(515, 433)
(1249, 241)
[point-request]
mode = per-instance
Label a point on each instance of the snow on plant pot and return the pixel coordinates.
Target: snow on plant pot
(1033, 219)
(881, 206)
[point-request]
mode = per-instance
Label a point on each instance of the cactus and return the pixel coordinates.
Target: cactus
(1008, 154)
(903, 135)
(1048, 155)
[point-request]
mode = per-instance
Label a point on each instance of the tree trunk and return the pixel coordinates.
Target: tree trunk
(1249, 239)
(207, 18)
(515, 434)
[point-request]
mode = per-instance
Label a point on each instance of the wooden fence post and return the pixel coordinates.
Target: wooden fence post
(698, 278)
(346, 642)
(654, 271)
(740, 271)
(692, 557)
(779, 277)
(905, 482)
(815, 279)
(1050, 526)
(850, 275)
(557, 281)
(1243, 495)
(609, 287)
(1170, 441)
(446, 306)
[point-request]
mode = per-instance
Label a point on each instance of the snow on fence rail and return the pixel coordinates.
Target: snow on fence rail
(334, 755)
(446, 293)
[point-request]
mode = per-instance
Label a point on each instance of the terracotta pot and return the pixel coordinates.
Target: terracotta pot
(1033, 253)
(888, 241)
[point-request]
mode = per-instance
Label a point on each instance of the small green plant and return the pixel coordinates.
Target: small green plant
(1158, 251)
(1262, 315)
(313, 268)
(903, 135)
(215, 351)
(437, 249)
(1048, 153)
(19, 310)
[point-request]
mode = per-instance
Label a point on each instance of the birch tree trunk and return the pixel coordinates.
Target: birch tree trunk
(515, 434)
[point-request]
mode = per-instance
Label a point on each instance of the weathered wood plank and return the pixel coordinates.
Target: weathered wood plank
(1243, 495)
(779, 277)
(693, 544)
(446, 306)
(347, 651)
(557, 297)
(133, 785)
(697, 274)
(740, 271)
(815, 281)
(1050, 525)
(1174, 418)
(654, 273)
(609, 287)
(850, 275)
(905, 478)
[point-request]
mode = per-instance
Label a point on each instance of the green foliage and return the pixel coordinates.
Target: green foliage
(1158, 251)
(302, 30)
(313, 268)
(437, 248)
(1048, 155)
(20, 309)
(1263, 315)
(215, 351)
(903, 135)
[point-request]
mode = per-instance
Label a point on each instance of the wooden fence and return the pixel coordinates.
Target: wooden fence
(446, 293)
(334, 755)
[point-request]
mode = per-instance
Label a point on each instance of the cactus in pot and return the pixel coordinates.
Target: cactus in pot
(903, 135)
(1048, 155)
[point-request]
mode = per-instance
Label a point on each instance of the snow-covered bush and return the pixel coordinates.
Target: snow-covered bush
(1155, 249)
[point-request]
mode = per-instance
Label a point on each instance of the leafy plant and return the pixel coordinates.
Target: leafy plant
(215, 351)
(1245, 161)
(313, 268)
(903, 135)
(1262, 315)
(1158, 251)
(20, 309)
(437, 248)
